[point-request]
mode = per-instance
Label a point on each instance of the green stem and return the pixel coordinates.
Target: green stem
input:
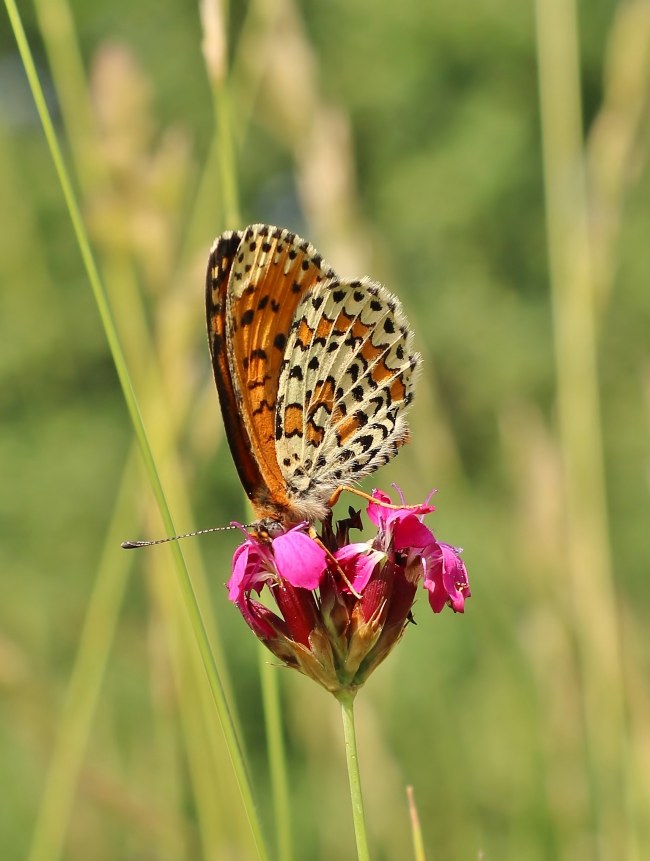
(346, 698)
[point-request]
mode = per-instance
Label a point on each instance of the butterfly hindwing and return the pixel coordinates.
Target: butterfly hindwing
(345, 385)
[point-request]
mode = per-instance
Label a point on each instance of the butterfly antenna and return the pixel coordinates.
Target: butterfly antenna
(131, 545)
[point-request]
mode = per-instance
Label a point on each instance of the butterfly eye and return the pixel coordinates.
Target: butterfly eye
(273, 528)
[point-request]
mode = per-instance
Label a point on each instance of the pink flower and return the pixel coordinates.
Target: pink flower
(403, 528)
(342, 606)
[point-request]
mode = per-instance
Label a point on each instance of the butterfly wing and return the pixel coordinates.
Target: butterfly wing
(255, 281)
(346, 382)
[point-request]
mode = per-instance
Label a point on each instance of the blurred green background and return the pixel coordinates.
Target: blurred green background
(408, 141)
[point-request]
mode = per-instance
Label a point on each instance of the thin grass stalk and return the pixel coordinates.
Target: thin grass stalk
(138, 425)
(616, 146)
(246, 88)
(167, 766)
(64, 56)
(227, 169)
(76, 718)
(215, 52)
(588, 556)
(140, 348)
(143, 355)
(616, 155)
(416, 829)
(206, 208)
(277, 756)
(59, 38)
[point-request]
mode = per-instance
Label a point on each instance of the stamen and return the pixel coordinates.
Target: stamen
(339, 570)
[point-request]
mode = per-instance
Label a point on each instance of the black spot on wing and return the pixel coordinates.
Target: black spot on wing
(380, 428)
(353, 371)
(296, 373)
(263, 405)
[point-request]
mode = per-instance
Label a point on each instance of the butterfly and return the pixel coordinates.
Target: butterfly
(314, 373)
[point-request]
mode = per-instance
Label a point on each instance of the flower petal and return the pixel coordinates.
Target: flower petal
(377, 513)
(350, 551)
(409, 532)
(446, 579)
(299, 559)
(358, 562)
(455, 578)
(250, 570)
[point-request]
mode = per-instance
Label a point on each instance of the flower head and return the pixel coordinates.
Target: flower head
(342, 605)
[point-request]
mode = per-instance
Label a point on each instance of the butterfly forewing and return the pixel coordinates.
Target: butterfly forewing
(255, 281)
(222, 256)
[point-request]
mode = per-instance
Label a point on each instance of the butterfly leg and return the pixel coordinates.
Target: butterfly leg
(334, 498)
(330, 556)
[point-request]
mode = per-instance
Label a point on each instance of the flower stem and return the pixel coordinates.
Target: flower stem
(346, 698)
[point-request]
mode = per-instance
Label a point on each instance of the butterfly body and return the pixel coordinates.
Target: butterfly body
(314, 372)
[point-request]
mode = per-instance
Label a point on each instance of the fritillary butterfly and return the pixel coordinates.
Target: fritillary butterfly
(314, 373)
